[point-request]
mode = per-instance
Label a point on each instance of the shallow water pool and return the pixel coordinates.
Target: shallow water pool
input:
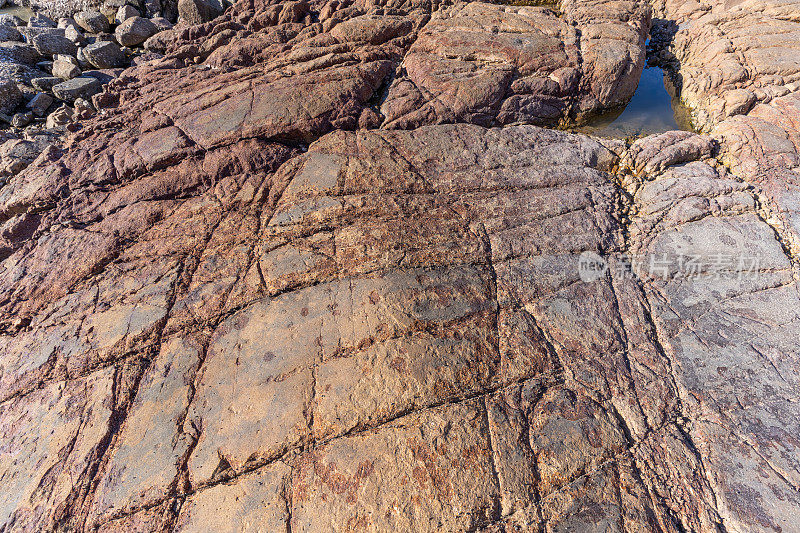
(22, 12)
(652, 109)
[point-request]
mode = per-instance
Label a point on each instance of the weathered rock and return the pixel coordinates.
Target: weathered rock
(134, 30)
(10, 96)
(104, 55)
(40, 103)
(92, 21)
(124, 13)
(10, 33)
(83, 87)
(261, 290)
(18, 53)
(50, 44)
(199, 11)
(40, 20)
(45, 84)
(65, 70)
(20, 120)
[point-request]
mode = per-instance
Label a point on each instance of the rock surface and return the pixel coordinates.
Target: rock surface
(303, 273)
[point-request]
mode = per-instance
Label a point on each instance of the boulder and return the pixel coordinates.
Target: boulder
(92, 21)
(161, 23)
(10, 97)
(199, 11)
(82, 87)
(65, 70)
(40, 103)
(14, 52)
(10, 33)
(104, 55)
(6, 19)
(124, 13)
(45, 83)
(41, 21)
(73, 34)
(135, 31)
(50, 44)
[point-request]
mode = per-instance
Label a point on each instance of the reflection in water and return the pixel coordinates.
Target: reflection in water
(653, 109)
(22, 12)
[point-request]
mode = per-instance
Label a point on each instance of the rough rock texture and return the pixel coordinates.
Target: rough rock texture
(740, 72)
(246, 295)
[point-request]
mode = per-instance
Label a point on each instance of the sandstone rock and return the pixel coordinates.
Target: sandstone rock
(134, 31)
(269, 287)
(92, 21)
(10, 96)
(83, 87)
(104, 55)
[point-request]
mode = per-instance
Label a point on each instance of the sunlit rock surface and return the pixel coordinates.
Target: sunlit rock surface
(320, 268)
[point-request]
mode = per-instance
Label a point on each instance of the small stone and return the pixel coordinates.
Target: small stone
(83, 109)
(60, 117)
(10, 96)
(50, 44)
(92, 21)
(45, 84)
(70, 90)
(65, 70)
(18, 53)
(161, 23)
(40, 21)
(20, 120)
(199, 11)
(124, 13)
(39, 104)
(135, 31)
(104, 55)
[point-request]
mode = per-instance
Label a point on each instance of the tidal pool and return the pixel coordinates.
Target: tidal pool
(22, 12)
(653, 109)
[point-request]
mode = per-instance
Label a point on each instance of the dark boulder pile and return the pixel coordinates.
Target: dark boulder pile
(331, 267)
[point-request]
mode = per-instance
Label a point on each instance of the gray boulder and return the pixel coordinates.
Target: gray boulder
(10, 33)
(161, 23)
(135, 31)
(40, 103)
(75, 88)
(41, 21)
(18, 53)
(104, 55)
(45, 83)
(65, 70)
(124, 13)
(50, 44)
(92, 21)
(7, 19)
(10, 97)
(199, 11)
